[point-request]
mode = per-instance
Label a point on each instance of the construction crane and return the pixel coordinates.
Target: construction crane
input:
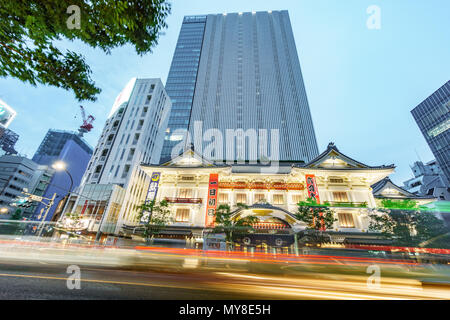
(87, 123)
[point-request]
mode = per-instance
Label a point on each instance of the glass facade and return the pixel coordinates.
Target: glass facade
(182, 78)
(433, 118)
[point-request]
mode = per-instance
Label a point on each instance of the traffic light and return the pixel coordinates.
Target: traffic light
(22, 202)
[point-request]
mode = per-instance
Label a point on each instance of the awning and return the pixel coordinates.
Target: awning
(367, 241)
(176, 232)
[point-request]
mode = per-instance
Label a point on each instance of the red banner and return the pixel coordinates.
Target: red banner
(313, 192)
(211, 205)
(311, 186)
(261, 186)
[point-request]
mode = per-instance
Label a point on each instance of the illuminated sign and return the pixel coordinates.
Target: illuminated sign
(7, 114)
(211, 205)
(123, 97)
(151, 193)
(261, 185)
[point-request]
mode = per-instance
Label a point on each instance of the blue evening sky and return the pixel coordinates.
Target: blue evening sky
(361, 83)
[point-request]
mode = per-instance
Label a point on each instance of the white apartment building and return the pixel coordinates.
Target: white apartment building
(133, 134)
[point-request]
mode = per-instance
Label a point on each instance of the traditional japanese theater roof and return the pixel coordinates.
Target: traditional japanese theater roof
(386, 189)
(332, 158)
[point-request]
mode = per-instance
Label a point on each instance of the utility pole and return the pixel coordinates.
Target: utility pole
(47, 207)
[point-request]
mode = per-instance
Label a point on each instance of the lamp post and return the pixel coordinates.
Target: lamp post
(62, 166)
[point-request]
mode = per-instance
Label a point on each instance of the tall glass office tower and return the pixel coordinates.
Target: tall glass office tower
(433, 118)
(240, 71)
(180, 85)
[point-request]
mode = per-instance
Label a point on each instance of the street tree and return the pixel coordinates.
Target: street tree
(156, 216)
(405, 224)
(317, 218)
(32, 33)
(226, 223)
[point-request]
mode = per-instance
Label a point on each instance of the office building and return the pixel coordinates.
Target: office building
(433, 118)
(239, 71)
(16, 173)
(8, 140)
(429, 180)
(41, 180)
(133, 134)
(74, 152)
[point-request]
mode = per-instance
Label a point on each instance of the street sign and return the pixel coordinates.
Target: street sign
(35, 198)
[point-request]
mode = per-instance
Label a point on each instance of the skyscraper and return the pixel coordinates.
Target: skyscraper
(68, 147)
(132, 134)
(240, 71)
(433, 118)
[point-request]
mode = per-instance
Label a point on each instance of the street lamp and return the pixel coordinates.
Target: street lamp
(62, 166)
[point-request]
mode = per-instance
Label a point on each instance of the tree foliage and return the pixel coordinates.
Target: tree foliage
(315, 216)
(406, 227)
(159, 216)
(30, 30)
(17, 215)
(226, 223)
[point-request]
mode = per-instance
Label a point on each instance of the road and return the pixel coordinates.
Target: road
(27, 280)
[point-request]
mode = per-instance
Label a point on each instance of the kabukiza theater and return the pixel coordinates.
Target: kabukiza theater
(195, 187)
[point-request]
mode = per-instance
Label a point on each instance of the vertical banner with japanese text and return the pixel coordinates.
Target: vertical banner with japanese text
(313, 192)
(211, 205)
(151, 193)
(311, 186)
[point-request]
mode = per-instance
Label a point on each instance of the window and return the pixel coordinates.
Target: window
(296, 198)
(340, 196)
(336, 180)
(278, 199)
(131, 154)
(185, 193)
(187, 178)
(346, 220)
(241, 198)
(149, 98)
(182, 215)
(259, 197)
(223, 198)
(117, 171)
(126, 169)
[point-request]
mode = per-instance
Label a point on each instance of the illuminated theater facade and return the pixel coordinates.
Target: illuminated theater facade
(195, 188)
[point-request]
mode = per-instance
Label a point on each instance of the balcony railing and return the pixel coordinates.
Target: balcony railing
(184, 200)
(346, 204)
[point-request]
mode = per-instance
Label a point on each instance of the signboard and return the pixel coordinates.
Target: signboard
(260, 185)
(211, 205)
(313, 192)
(311, 186)
(214, 241)
(151, 193)
(7, 114)
(35, 198)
